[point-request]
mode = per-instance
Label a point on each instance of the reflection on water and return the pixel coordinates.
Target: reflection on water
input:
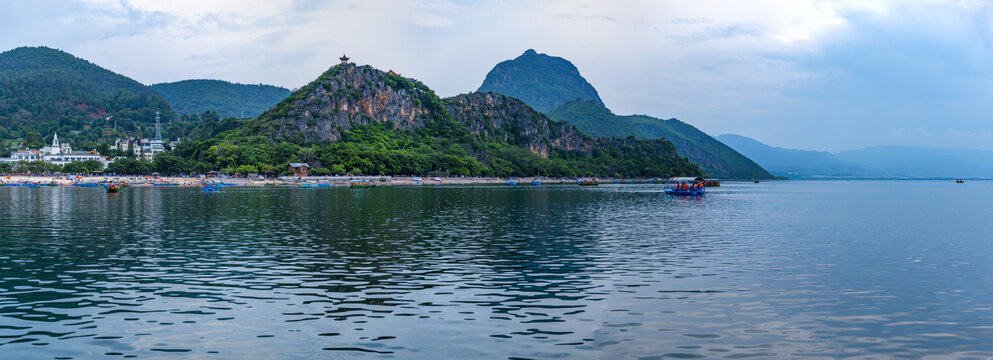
(780, 269)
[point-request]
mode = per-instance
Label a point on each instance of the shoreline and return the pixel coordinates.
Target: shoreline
(177, 181)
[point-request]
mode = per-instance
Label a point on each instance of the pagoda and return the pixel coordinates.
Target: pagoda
(344, 59)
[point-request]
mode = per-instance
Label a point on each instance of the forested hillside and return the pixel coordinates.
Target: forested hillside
(44, 91)
(225, 98)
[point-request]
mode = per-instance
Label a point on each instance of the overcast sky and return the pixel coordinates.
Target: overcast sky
(819, 75)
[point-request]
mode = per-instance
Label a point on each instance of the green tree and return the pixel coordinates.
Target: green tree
(82, 167)
(320, 172)
(129, 167)
(168, 163)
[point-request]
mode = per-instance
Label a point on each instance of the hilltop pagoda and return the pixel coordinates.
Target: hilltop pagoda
(344, 59)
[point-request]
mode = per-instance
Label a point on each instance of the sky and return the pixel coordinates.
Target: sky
(805, 74)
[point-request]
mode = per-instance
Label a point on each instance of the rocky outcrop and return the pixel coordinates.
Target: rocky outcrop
(345, 96)
(501, 117)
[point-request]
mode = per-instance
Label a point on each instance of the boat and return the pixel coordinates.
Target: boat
(711, 182)
(588, 182)
(536, 182)
(511, 182)
(361, 185)
(113, 188)
(210, 187)
(755, 181)
(959, 181)
(309, 185)
(685, 186)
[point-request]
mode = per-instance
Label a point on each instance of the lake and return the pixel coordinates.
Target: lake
(782, 269)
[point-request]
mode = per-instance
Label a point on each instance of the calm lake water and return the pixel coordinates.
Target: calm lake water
(797, 269)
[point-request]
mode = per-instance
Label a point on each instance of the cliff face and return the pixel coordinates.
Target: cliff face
(345, 96)
(510, 120)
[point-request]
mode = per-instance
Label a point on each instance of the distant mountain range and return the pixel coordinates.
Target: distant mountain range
(554, 86)
(225, 98)
(43, 91)
(870, 162)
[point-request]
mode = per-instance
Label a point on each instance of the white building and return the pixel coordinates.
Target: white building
(59, 154)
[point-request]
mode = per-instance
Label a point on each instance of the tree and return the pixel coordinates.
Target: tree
(320, 172)
(129, 167)
(246, 169)
(82, 167)
(104, 149)
(37, 167)
(6, 167)
(168, 163)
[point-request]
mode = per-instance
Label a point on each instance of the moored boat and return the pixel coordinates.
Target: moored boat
(959, 181)
(588, 182)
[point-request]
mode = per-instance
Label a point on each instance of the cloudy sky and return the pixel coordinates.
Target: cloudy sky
(820, 75)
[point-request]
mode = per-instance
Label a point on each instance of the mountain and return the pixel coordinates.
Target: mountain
(225, 98)
(542, 81)
(790, 162)
(870, 162)
(361, 120)
(594, 119)
(715, 158)
(43, 91)
(921, 162)
(554, 86)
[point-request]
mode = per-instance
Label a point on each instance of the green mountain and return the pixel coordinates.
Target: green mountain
(361, 120)
(43, 91)
(225, 98)
(542, 81)
(554, 86)
(715, 158)
(594, 119)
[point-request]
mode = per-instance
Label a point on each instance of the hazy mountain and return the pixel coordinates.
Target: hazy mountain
(870, 162)
(225, 98)
(542, 81)
(715, 158)
(921, 162)
(362, 120)
(44, 90)
(790, 162)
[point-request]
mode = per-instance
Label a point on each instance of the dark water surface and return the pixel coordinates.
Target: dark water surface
(798, 269)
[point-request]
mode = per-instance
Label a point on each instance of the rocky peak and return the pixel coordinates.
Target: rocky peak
(346, 95)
